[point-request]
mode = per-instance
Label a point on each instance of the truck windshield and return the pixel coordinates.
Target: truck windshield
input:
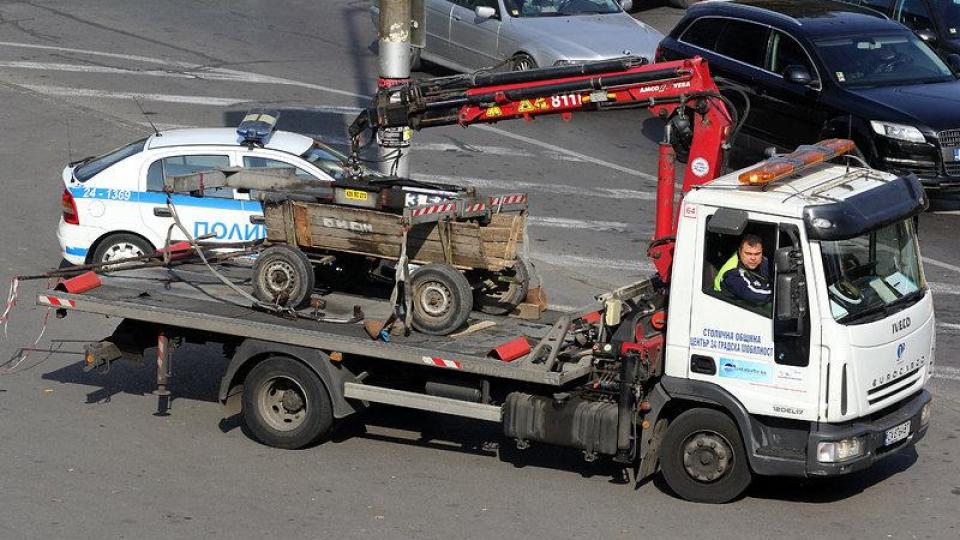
(331, 162)
(560, 8)
(90, 167)
(873, 275)
(886, 60)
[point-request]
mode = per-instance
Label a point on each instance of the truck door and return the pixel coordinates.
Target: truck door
(735, 341)
(219, 211)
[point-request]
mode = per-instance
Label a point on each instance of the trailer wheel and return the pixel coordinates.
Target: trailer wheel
(702, 457)
(283, 275)
(285, 405)
(500, 293)
(442, 299)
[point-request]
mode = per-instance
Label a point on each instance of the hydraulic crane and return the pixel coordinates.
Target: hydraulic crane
(700, 122)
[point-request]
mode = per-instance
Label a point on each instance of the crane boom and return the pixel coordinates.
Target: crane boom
(699, 121)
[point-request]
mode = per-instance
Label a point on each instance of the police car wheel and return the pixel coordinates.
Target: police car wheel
(702, 457)
(121, 246)
(283, 275)
(442, 299)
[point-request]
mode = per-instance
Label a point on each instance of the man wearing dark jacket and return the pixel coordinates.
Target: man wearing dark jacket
(746, 275)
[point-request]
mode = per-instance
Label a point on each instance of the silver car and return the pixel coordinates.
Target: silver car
(466, 35)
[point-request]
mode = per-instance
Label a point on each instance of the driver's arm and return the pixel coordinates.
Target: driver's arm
(738, 283)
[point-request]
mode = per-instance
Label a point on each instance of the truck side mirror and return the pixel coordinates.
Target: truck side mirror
(727, 221)
(791, 295)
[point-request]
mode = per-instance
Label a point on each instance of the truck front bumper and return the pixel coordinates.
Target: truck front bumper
(873, 432)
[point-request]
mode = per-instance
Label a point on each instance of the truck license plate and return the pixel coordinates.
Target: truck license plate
(897, 433)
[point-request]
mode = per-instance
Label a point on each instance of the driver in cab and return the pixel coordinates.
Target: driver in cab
(746, 274)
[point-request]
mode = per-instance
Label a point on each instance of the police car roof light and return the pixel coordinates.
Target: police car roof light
(257, 126)
(779, 167)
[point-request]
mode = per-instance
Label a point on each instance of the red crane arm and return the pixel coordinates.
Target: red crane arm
(681, 92)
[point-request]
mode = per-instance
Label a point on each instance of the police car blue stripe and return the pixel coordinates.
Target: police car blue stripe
(152, 197)
(79, 252)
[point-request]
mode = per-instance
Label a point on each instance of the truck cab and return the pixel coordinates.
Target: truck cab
(826, 376)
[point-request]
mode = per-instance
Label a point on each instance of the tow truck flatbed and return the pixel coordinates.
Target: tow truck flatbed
(191, 298)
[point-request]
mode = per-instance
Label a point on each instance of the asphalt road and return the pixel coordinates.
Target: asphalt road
(82, 456)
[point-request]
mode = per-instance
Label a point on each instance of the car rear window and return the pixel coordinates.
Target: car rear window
(744, 41)
(704, 32)
(93, 166)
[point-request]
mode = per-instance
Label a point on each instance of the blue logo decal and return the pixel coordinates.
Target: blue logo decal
(901, 348)
(746, 371)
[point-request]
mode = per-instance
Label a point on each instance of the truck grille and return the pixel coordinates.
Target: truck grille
(952, 169)
(950, 137)
(888, 389)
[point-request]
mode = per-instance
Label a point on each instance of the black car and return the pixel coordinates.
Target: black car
(936, 21)
(814, 69)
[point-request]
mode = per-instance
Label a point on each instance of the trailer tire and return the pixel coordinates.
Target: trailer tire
(283, 275)
(501, 297)
(702, 457)
(442, 299)
(285, 405)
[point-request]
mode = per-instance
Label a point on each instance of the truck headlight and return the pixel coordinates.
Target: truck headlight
(897, 131)
(925, 414)
(839, 451)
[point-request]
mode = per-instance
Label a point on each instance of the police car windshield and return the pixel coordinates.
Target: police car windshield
(873, 275)
(330, 161)
(93, 166)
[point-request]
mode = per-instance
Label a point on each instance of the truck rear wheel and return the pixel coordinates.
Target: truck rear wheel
(702, 457)
(283, 275)
(442, 299)
(285, 405)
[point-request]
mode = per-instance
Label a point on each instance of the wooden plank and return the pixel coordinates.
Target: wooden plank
(289, 227)
(273, 215)
(301, 222)
(420, 254)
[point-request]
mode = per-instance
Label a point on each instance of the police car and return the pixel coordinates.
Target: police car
(114, 205)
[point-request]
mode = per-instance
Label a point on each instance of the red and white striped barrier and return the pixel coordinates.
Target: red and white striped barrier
(440, 362)
(513, 198)
(53, 301)
(419, 211)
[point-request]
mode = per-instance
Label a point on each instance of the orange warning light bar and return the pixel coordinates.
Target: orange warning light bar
(787, 164)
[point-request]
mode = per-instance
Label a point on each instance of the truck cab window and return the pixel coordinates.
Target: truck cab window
(738, 268)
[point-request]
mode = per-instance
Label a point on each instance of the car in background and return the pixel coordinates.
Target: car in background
(814, 69)
(467, 35)
(936, 21)
(114, 205)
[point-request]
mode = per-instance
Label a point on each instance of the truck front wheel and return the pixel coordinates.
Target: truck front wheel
(702, 457)
(285, 405)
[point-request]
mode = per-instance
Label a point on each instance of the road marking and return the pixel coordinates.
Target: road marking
(596, 263)
(101, 94)
(944, 372)
(562, 150)
(941, 264)
(949, 326)
(607, 193)
(586, 224)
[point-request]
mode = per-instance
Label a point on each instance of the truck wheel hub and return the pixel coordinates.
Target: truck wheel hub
(282, 403)
(707, 456)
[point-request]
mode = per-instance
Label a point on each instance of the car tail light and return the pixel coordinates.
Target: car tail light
(70, 214)
(658, 55)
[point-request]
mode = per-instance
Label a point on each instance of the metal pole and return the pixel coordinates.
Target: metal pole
(394, 64)
(163, 374)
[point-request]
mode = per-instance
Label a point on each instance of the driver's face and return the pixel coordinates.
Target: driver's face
(750, 256)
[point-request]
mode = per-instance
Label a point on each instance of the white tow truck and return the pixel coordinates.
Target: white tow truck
(666, 374)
